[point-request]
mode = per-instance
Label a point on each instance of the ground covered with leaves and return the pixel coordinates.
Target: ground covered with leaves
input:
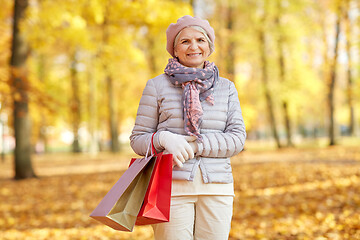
(287, 194)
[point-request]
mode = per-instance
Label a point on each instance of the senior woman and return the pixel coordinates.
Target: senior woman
(196, 116)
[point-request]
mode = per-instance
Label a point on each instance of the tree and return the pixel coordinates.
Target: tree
(230, 56)
(280, 48)
(113, 124)
(42, 129)
(332, 79)
(264, 67)
(75, 102)
(350, 75)
(19, 81)
(92, 97)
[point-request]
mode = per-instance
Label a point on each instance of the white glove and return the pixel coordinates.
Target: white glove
(194, 146)
(178, 146)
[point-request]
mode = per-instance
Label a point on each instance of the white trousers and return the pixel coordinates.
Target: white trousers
(197, 217)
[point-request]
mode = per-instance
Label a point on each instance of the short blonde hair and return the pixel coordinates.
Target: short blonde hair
(200, 29)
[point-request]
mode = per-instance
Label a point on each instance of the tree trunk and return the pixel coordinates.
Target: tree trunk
(349, 91)
(75, 106)
(115, 145)
(22, 152)
(193, 5)
(113, 126)
(219, 22)
(42, 130)
(230, 54)
(268, 97)
(2, 122)
(93, 147)
(280, 46)
(326, 65)
(151, 55)
(332, 80)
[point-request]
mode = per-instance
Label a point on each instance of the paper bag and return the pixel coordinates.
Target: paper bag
(121, 205)
(156, 206)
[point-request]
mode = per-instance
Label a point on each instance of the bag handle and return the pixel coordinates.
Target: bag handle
(152, 146)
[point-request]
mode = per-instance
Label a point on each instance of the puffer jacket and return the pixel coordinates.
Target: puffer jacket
(222, 128)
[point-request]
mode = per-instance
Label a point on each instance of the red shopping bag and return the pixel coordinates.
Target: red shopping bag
(156, 206)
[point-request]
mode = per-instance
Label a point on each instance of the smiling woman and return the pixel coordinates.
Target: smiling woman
(196, 116)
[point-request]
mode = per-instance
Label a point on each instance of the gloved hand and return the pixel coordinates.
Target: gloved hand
(194, 146)
(178, 146)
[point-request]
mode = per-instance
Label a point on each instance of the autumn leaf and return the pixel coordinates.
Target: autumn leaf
(279, 195)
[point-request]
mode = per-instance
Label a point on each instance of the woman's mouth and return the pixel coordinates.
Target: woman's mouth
(193, 54)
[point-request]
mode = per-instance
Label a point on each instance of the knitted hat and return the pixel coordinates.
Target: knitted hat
(182, 23)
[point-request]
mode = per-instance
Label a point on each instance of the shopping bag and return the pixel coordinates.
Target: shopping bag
(156, 206)
(121, 205)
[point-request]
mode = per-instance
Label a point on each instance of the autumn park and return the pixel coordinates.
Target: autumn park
(72, 75)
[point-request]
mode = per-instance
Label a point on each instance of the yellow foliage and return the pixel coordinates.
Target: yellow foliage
(125, 40)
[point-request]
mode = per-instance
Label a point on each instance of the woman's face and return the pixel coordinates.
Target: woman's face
(192, 48)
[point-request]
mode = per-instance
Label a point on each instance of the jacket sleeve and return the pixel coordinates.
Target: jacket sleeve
(146, 122)
(232, 140)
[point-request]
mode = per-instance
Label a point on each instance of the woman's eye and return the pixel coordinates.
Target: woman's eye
(201, 40)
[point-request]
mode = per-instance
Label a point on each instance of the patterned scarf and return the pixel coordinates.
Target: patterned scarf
(198, 85)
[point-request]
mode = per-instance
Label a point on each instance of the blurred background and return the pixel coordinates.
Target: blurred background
(80, 67)
(72, 74)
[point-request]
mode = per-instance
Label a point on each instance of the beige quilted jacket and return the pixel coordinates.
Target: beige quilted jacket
(222, 128)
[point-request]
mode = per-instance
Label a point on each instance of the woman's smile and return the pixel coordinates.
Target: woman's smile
(194, 54)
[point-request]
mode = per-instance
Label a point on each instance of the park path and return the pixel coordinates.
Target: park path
(67, 163)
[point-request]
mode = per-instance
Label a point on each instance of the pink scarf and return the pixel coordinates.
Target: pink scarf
(198, 85)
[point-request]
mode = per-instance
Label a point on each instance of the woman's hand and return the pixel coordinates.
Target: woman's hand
(194, 146)
(178, 146)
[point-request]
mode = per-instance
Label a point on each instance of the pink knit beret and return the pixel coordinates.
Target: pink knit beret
(182, 23)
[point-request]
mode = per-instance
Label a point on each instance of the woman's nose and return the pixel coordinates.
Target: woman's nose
(193, 45)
